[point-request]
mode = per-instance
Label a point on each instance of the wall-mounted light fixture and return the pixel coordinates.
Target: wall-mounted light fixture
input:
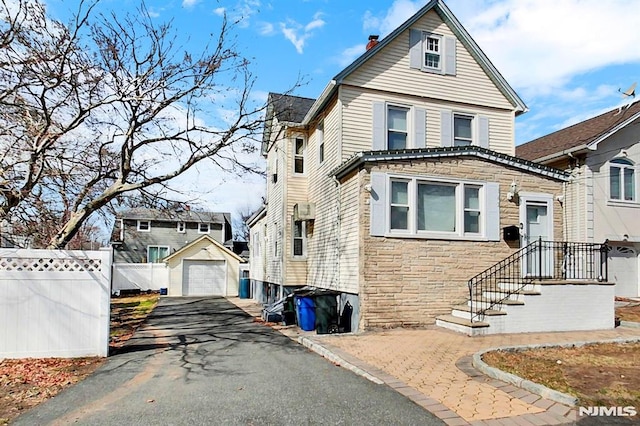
(512, 195)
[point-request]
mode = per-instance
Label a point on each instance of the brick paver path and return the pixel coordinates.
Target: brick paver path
(428, 361)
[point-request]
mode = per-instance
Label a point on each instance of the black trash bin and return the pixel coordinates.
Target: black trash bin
(326, 313)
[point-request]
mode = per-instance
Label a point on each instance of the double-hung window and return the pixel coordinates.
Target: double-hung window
(426, 207)
(432, 52)
(181, 227)
(298, 156)
(155, 254)
(462, 130)
(622, 178)
(298, 239)
(203, 228)
(397, 127)
(320, 141)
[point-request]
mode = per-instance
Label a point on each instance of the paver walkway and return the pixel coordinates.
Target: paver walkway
(433, 367)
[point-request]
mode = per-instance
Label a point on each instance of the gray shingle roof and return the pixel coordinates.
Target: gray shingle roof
(175, 216)
(578, 135)
(290, 108)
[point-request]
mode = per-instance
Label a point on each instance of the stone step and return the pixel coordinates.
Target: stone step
(502, 302)
(461, 325)
(464, 311)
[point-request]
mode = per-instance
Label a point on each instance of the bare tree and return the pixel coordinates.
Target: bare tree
(112, 105)
(243, 214)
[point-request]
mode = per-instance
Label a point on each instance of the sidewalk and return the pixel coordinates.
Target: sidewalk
(433, 368)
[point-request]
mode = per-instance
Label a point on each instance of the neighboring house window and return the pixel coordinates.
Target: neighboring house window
(181, 227)
(434, 208)
(274, 176)
(397, 127)
(144, 225)
(433, 53)
(432, 49)
(462, 130)
(622, 180)
(155, 254)
(299, 238)
(320, 141)
(256, 244)
(298, 156)
(203, 228)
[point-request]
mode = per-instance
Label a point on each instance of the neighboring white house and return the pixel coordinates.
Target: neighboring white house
(602, 155)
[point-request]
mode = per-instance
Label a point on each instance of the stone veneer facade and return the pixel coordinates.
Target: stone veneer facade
(407, 282)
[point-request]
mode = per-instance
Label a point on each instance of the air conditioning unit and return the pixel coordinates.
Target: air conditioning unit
(304, 211)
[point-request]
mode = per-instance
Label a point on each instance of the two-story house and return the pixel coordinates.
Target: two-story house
(600, 198)
(393, 186)
(149, 235)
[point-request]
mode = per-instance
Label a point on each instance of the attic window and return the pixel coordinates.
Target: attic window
(144, 225)
(181, 227)
(203, 228)
(432, 52)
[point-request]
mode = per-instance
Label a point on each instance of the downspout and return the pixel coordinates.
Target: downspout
(336, 276)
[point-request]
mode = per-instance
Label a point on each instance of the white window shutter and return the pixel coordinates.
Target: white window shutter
(492, 211)
(415, 49)
(378, 204)
(450, 55)
(483, 131)
(446, 128)
(419, 125)
(378, 142)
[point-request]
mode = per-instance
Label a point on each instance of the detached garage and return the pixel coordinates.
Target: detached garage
(203, 268)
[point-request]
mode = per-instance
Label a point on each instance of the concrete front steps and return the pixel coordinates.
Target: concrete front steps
(539, 307)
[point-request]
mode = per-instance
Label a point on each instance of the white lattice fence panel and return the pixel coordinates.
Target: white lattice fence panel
(54, 303)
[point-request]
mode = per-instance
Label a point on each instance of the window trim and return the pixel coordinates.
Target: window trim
(303, 238)
(200, 231)
(320, 142)
(408, 110)
(148, 222)
(302, 156)
(622, 164)
(425, 50)
(181, 227)
(158, 247)
(473, 141)
(414, 232)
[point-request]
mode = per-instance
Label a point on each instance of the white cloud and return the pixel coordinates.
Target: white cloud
(266, 29)
(298, 34)
(400, 11)
(350, 54)
(540, 45)
(189, 3)
(220, 11)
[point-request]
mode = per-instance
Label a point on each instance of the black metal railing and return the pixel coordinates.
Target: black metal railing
(540, 260)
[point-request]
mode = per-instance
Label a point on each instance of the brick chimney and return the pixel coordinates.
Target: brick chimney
(373, 40)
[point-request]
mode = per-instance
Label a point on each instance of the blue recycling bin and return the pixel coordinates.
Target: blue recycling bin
(244, 288)
(306, 313)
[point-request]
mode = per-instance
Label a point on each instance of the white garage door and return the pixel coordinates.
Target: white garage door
(623, 270)
(204, 278)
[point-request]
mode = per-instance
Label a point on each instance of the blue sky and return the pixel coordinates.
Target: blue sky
(567, 59)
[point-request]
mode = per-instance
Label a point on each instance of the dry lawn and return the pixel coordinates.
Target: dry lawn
(25, 383)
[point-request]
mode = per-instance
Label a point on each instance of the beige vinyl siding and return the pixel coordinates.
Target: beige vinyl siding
(322, 243)
(349, 260)
(358, 116)
(389, 70)
(275, 210)
(295, 270)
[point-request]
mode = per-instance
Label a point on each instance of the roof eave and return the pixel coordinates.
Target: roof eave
(423, 153)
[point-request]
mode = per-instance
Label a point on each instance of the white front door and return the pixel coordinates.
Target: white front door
(536, 216)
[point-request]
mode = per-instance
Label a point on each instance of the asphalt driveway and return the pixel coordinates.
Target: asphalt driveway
(204, 361)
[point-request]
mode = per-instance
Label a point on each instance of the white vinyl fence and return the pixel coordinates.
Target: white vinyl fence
(54, 303)
(140, 276)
